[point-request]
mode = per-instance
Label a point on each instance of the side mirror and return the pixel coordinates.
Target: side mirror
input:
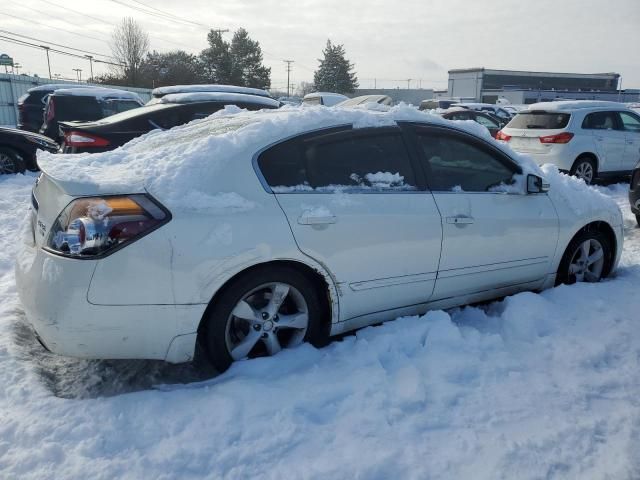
(536, 184)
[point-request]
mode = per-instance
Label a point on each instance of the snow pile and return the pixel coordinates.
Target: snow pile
(535, 386)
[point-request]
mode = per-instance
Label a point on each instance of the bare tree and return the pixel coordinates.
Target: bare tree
(129, 45)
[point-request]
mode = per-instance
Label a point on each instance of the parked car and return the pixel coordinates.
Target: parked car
(492, 123)
(172, 110)
(290, 100)
(254, 232)
(496, 110)
(634, 192)
(158, 93)
(18, 149)
(84, 104)
(588, 139)
(31, 104)
(364, 99)
(327, 99)
(436, 104)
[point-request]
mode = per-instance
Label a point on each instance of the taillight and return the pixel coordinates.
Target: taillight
(51, 109)
(82, 139)
(95, 226)
(563, 137)
(502, 136)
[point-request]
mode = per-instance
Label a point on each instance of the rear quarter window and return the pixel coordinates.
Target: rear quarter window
(540, 121)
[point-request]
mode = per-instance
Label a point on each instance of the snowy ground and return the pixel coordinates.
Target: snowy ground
(536, 386)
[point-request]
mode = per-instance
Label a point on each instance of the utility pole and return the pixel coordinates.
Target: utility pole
(90, 57)
(375, 83)
(78, 74)
(17, 66)
(408, 83)
(288, 62)
(48, 62)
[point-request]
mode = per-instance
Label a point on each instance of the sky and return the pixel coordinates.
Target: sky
(391, 44)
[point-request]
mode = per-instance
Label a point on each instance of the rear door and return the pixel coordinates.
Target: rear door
(609, 139)
(493, 236)
(631, 125)
(355, 205)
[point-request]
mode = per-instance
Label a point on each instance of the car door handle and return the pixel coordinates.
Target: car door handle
(316, 219)
(460, 220)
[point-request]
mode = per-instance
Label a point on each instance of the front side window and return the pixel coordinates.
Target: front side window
(342, 163)
(600, 121)
(630, 122)
(455, 164)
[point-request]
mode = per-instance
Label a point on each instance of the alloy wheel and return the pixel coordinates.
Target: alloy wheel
(273, 315)
(584, 170)
(587, 262)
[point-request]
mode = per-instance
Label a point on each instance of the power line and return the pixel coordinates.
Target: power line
(77, 12)
(171, 14)
(153, 14)
(57, 44)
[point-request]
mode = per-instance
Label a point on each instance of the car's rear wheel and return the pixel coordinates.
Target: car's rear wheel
(584, 168)
(10, 161)
(588, 258)
(261, 313)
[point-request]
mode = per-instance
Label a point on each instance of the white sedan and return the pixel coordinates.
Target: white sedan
(250, 232)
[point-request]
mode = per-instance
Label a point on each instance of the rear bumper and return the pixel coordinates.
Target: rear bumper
(53, 291)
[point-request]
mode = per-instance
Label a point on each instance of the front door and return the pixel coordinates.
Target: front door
(494, 235)
(355, 206)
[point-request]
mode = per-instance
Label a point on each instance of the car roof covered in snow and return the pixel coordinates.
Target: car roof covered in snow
(232, 98)
(571, 105)
(100, 93)
(161, 91)
(49, 87)
(362, 99)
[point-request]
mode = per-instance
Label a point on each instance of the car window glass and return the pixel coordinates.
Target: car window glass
(364, 163)
(113, 106)
(630, 122)
(455, 164)
(600, 121)
(70, 107)
(482, 120)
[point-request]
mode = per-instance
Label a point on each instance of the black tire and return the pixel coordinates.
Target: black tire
(579, 164)
(564, 276)
(213, 333)
(11, 162)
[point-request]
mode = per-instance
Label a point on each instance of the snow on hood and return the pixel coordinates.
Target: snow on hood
(186, 163)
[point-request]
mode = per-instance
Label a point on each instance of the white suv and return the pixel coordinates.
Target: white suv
(589, 139)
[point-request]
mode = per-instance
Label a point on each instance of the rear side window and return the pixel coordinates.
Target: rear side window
(540, 121)
(111, 107)
(630, 122)
(347, 163)
(454, 164)
(600, 121)
(76, 108)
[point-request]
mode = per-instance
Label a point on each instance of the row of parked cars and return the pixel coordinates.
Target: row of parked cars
(588, 139)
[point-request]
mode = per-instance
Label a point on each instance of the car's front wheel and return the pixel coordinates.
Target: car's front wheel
(262, 312)
(10, 161)
(588, 258)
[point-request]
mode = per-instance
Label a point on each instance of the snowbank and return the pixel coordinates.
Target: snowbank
(535, 386)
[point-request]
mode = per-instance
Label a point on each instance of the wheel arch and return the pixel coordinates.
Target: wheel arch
(26, 158)
(593, 156)
(602, 227)
(321, 280)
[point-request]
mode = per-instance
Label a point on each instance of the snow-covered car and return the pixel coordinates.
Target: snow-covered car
(249, 232)
(365, 99)
(496, 110)
(634, 192)
(158, 93)
(587, 138)
(328, 99)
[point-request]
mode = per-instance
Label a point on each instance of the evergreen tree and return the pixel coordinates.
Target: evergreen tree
(216, 60)
(335, 73)
(247, 69)
(172, 68)
(238, 63)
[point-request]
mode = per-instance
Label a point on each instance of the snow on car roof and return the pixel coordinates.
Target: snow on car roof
(569, 105)
(56, 86)
(161, 91)
(191, 166)
(100, 92)
(325, 94)
(218, 97)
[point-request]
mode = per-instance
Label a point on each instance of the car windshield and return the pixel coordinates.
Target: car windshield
(540, 120)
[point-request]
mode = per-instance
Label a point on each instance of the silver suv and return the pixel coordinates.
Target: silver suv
(589, 139)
